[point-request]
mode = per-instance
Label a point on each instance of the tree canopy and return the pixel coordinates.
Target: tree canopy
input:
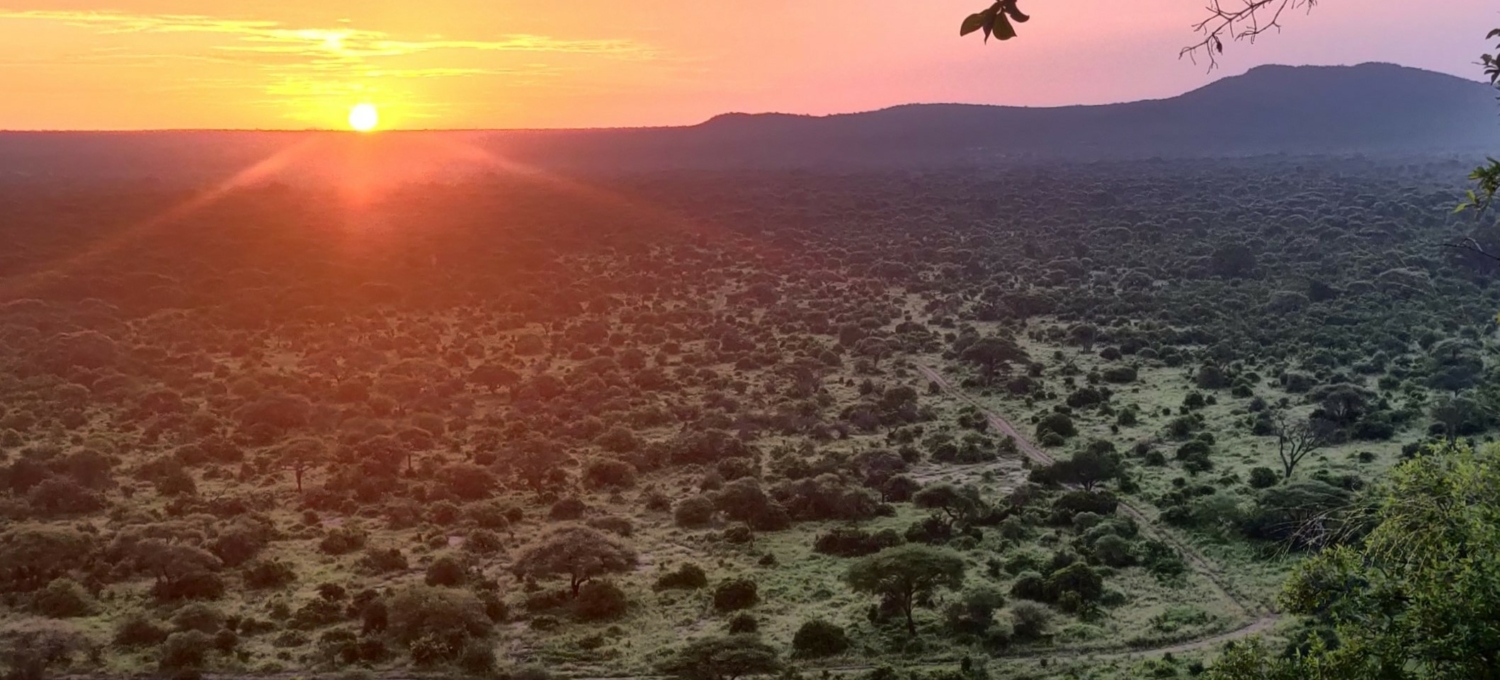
(578, 552)
(1417, 598)
(907, 575)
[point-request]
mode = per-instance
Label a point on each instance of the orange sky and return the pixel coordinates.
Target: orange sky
(151, 64)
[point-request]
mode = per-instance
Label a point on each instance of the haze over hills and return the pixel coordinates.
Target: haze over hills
(1370, 108)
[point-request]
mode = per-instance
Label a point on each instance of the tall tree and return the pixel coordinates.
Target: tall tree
(907, 575)
(1087, 469)
(300, 456)
(580, 553)
(1296, 439)
(956, 504)
(992, 354)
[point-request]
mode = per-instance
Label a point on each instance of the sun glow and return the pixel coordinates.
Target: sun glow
(364, 118)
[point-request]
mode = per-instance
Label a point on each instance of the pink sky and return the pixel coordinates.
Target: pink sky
(133, 64)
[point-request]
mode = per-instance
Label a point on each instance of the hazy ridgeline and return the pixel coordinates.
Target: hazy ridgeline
(1376, 109)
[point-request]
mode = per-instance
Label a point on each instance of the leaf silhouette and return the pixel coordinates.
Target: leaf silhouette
(973, 23)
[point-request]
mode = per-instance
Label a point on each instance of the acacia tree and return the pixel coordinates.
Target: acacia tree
(300, 456)
(957, 505)
(1296, 438)
(991, 354)
(1087, 469)
(907, 575)
(580, 553)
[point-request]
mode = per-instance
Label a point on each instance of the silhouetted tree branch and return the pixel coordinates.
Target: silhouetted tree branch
(1472, 246)
(1229, 20)
(1238, 20)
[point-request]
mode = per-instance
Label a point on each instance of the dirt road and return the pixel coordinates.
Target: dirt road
(1265, 619)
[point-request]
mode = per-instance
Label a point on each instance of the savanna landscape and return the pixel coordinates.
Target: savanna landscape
(1140, 409)
(289, 442)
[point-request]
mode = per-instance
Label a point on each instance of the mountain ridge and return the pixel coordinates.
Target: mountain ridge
(1255, 75)
(1300, 110)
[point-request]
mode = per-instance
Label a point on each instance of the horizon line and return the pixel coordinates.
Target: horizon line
(710, 119)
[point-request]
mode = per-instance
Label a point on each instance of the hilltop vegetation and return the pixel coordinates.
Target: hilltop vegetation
(685, 424)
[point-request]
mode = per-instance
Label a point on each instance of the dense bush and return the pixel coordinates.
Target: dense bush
(693, 512)
(62, 598)
(136, 630)
(817, 639)
(268, 574)
(600, 601)
(736, 594)
(438, 614)
(685, 577)
(855, 542)
(186, 649)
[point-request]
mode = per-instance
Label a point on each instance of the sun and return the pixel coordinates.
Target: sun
(364, 117)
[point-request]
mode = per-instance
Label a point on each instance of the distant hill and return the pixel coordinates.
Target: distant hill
(1371, 108)
(1271, 109)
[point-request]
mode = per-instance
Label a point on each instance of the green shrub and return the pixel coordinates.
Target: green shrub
(1029, 620)
(259, 574)
(849, 541)
(136, 630)
(478, 659)
(376, 561)
(1114, 551)
(619, 526)
(974, 611)
(686, 577)
(1056, 423)
(194, 585)
(735, 595)
(483, 542)
(1078, 579)
(1029, 585)
(743, 623)
(600, 601)
(343, 540)
(547, 600)
(317, 614)
(817, 639)
(1263, 478)
(442, 613)
(200, 617)
(1162, 559)
(447, 570)
(693, 512)
(488, 515)
(432, 649)
(601, 473)
(739, 534)
(186, 649)
(63, 598)
(569, 508)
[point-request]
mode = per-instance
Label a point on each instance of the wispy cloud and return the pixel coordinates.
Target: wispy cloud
(342, 42)
(299, 63)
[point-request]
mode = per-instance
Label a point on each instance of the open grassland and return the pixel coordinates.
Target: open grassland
(519, 431)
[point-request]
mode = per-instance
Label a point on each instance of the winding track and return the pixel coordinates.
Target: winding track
(1262, 620)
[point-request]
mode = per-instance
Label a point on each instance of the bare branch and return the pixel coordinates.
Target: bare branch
(1472, 246)
(1296, 439)
(1235, 20)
